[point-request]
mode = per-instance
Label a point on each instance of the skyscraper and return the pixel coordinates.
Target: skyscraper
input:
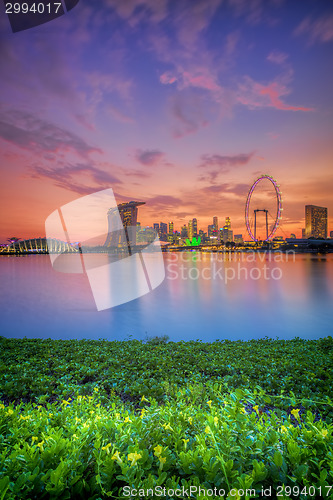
(163, 231)
(227, 234)
(190, 229)
(183, 232)
(163, 228)
(315, 221)
(216, 223)
(211, 230)
(170, 235)
(195, 227)
(227, 223)
(129, 215)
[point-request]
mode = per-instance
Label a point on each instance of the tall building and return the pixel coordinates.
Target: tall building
(331, 234)
(227, 223)
(211, 230)
(129, 216)
(156, 227)
(163, 232)
(227, 234)
(216, 223)
(183, 232)
(303, 232)
(170, 234)
(315, 221)
(195, 227)
(190, 230)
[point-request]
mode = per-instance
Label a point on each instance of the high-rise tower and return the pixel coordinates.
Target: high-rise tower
(315, 222)
(195, 227)
(129, 215)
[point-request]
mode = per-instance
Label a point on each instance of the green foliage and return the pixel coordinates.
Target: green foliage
(83, 419)
(157, 340)
(194, 242)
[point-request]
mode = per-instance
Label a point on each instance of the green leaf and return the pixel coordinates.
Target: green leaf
(278, 459)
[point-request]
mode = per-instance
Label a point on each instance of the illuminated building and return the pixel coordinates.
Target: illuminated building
(146, 235)
(315, 221)
(183, 232)
(163, 232)
(156, 227)
(227, 235)
(190, 230)
(129, 215)
(215, 223)
(238, 239)
(195, 226)
(170, 235)
(211, 230)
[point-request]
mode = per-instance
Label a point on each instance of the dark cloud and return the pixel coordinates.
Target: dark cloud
(221, 164)
(163, 202)
(149, 157)
(138, 173)
(73, 177)
(222, 161)
(30, 132)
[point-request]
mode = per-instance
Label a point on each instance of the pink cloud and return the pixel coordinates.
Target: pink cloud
(118, 115)
(277, 57)
(167, 78)
(136, 11)
(319, 30)
(256, 95)
(274, 92)
(200, 78)
(192, 18)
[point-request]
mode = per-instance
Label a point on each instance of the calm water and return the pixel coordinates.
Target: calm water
(203, 296)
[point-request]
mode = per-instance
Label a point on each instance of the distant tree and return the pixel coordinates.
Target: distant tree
(230, 244)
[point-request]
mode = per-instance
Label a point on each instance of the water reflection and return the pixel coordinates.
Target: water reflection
(204, 296)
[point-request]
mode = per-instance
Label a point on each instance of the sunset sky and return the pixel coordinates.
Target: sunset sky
(180, 103)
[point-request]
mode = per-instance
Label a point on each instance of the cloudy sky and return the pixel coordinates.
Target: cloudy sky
(178, 103)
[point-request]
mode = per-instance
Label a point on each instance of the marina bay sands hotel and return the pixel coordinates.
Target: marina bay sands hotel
(129, 216)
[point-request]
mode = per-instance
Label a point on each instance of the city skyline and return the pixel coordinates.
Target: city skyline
(315, 224)
(179, 104)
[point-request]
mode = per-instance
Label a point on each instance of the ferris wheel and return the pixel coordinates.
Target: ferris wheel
(276, 218)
